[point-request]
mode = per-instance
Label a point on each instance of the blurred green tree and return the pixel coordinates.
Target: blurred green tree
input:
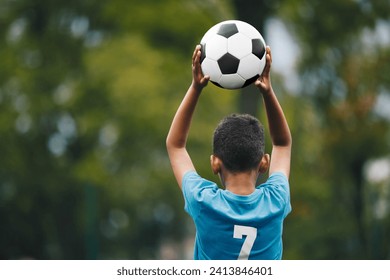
(343, 47)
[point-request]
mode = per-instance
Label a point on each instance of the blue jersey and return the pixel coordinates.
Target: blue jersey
(230, 226)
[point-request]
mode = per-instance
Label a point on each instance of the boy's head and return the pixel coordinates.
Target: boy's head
(239, 142)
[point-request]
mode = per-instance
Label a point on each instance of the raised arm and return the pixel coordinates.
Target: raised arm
(278, 126)
(178, 133)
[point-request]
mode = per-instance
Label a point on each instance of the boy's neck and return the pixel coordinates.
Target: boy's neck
(240, 183)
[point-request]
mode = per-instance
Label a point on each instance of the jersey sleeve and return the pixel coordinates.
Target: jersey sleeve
(196, 191)
(279, 188)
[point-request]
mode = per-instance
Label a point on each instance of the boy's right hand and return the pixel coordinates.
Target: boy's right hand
(264, 81)
(199, 81)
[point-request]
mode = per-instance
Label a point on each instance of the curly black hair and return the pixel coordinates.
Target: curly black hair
(239, 142)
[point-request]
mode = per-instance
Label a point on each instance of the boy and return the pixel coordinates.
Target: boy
(241, 221)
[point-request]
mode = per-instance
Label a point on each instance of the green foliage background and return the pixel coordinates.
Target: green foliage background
(87, 93)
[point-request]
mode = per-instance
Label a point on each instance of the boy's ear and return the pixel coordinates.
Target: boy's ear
(264, 163)
(216, 164)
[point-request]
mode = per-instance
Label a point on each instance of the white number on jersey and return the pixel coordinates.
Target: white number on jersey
(251, 234)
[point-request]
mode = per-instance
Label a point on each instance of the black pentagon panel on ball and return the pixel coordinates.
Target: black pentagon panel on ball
(250, 81)
(203, 52)
(258, 48)
(228, 64)
(218, 85)
(228, 29)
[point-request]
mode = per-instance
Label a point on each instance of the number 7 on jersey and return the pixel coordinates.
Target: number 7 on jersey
(251, 234)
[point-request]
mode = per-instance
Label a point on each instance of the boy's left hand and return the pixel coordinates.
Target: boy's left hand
(199, 80)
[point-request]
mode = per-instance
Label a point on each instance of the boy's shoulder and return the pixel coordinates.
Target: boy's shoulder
(194, 183)
(277, 177)
(276, 181)
(192, 179)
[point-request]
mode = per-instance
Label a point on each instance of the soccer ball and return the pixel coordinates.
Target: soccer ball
(233, 54)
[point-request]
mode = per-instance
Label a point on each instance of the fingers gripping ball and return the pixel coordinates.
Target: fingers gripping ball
(233, 54)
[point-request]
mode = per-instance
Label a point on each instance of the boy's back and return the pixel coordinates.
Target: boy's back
(231, 226)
